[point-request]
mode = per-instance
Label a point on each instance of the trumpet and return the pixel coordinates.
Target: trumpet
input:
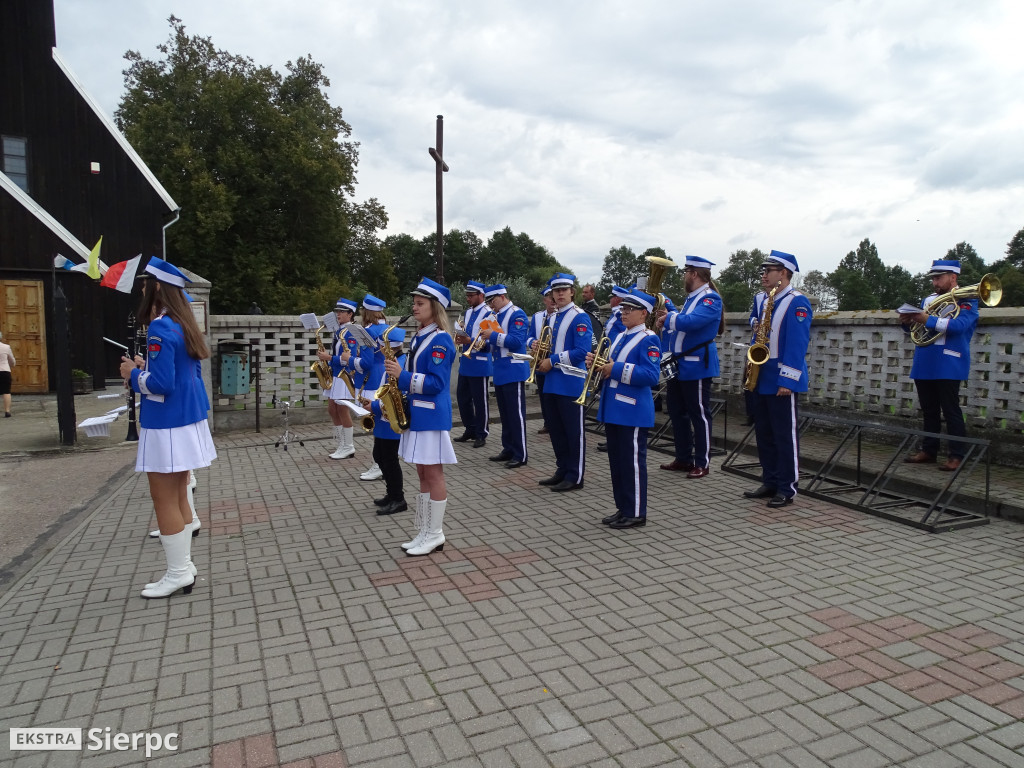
(542, 350)
(487, 326)
(989, 292)
(593, 380)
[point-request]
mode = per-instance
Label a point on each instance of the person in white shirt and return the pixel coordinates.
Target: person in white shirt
(7, 362)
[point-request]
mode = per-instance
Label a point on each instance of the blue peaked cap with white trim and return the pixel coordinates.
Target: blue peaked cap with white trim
(165, 272)
(433, 290)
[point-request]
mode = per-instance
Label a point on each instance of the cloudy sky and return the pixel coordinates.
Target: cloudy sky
(701, 126)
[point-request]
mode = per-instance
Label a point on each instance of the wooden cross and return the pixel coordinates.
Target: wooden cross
(440, 167)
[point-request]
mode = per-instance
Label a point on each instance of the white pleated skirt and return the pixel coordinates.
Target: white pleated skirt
(176, 449)
(340, 391)
(427, 448)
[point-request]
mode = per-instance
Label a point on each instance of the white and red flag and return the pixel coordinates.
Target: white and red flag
(121, 276)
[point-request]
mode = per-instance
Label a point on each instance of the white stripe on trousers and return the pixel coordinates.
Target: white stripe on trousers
(793, 438)
(583, 458)
(636, 471)
(707, 426)
(520, 390)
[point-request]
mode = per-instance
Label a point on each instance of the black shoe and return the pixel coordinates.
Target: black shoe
(762, 492)
(393, 507)
(514, 464)
(7, 414)
(778, 500)
(567, 485)
(382, 502)
(480, 442)
(628, 522)
(553, 480)
(465, 437)
(611, 518)
(503, 456)
(602, 447)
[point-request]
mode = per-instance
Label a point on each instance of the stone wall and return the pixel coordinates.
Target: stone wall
(859, 363)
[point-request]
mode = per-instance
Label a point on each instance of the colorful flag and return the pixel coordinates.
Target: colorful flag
(94, 260)
(59, 262)
(121, 276)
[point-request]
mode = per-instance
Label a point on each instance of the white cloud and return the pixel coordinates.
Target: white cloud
(701, 127)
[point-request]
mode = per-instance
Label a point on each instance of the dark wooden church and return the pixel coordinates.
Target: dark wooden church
(67, 177)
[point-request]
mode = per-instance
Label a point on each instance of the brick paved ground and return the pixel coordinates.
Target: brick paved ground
(723, 633)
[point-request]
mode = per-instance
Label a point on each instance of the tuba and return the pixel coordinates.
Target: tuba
(989, 292)
(601, 358)
(322, 368)
(542, 350)
(394, 403)
(655, 277)
(758, 352)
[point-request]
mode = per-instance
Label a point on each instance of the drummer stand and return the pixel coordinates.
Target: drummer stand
(287, 436)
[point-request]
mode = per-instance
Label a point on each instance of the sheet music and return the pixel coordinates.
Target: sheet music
(356, 410)
(909, 309)
(310, 321)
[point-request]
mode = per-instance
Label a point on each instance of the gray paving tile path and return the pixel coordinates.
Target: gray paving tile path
(722, 634)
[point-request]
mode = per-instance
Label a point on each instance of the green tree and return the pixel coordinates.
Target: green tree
(1015, 250)
(621, 267)
(858, 278)
(462, 256)
(815, 283)
(972, 266)
(412, 259)
(741, 279)
(262, 167)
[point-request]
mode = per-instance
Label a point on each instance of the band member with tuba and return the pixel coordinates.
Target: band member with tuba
(695, 353)
(368, 366)
(782, 375)
(632, 369)
(509, 375)
(571, 337)
(339, 356)
(427, 443)
(474, 370)
(538, 320)
(385, 438)
(941, 367)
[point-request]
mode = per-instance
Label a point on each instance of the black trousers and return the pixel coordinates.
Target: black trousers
(940, 399)
(385, 453)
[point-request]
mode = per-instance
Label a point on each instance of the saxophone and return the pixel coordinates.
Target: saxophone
(393, 402)
(758, 353)
(322, 368)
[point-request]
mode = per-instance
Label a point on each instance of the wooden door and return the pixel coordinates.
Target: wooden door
(23, 322)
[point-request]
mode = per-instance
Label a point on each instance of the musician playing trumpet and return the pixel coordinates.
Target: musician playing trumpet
(693, 330)
(571, 337)
(474, 370)
(509, 375)
(780, 378)
(940, 368)
(627, 408)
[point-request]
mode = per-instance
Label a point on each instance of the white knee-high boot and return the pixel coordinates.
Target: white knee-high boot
(176, 550)
(420, 521)
(433, 537)
(196, 524)
(339, 438)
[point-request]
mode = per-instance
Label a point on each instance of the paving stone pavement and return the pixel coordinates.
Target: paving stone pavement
(723, 633)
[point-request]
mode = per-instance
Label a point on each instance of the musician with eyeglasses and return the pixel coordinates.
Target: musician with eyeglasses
(694, 329)
(571, 340)
(627, 408)
(471, 390)
(538, 320)
(509, 374)
(940, 368)
(781, 376)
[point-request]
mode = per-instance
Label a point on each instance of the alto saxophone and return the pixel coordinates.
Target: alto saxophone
(758, 352)
(394, 403)
(322, 368)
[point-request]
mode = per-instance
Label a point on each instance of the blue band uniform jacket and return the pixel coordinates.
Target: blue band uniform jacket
(478, 363)
(512, 338)
(626, 395)
(787, 344)
(427, 378)
(695, 328)
(381, 428)
(571, 340)
(173, 394)
(949, 357)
